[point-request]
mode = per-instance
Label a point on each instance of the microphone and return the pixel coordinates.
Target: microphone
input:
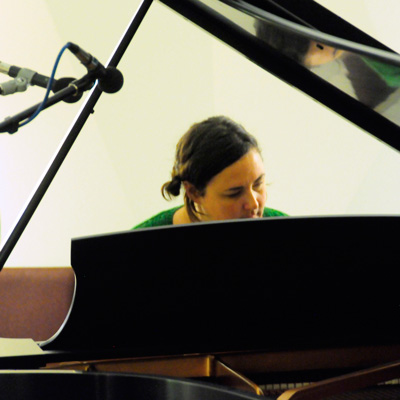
(25, 76)
(110, 79)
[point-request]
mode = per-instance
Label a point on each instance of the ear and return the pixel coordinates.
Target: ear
(192, 192)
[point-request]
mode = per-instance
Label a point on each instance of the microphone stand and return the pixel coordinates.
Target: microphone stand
(72, 135)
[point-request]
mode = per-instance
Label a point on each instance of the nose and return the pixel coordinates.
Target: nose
(251, 201)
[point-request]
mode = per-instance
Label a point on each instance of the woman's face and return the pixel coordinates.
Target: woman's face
(238, 191)
(320, 54)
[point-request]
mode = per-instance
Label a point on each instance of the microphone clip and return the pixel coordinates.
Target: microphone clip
(19, 83)
(13, 86)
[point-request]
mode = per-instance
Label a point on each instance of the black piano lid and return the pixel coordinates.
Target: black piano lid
(232, 21)
(271, 284)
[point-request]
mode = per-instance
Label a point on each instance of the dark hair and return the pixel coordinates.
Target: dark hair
(205, 150)
(289, 43)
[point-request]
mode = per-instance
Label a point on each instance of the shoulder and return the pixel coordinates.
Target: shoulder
(160, 219)
(270, 212)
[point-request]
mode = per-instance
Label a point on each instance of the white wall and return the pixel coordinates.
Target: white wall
(175, 74)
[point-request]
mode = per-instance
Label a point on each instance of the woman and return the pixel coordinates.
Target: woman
(220, 168)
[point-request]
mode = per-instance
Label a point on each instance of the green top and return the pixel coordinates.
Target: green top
(389, 73)
(165, 217)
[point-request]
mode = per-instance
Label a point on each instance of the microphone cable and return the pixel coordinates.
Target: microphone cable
(48, 89)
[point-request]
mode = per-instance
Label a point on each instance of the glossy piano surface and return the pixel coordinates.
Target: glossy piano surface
(312, 49)
(281, 283)
(97, 386)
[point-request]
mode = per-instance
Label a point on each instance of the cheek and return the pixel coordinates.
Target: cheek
(226, 210)
(232, 210)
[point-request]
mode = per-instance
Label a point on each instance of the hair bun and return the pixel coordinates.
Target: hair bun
(173, 187)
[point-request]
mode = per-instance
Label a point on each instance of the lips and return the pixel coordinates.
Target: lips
(256, 215)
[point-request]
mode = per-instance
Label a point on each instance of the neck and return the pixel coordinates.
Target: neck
(181, 216)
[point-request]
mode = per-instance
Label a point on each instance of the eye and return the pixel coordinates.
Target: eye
(259, 183)
(234, 194)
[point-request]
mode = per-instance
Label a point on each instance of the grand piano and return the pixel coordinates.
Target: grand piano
(264, 303)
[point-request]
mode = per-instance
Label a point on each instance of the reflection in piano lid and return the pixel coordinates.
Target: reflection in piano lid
(357, 76)
(62, 385)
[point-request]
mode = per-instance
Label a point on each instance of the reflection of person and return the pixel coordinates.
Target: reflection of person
(299, 48)
(372, 81)
(219, 167)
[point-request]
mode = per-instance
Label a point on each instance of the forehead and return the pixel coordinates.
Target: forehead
(241, 173)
